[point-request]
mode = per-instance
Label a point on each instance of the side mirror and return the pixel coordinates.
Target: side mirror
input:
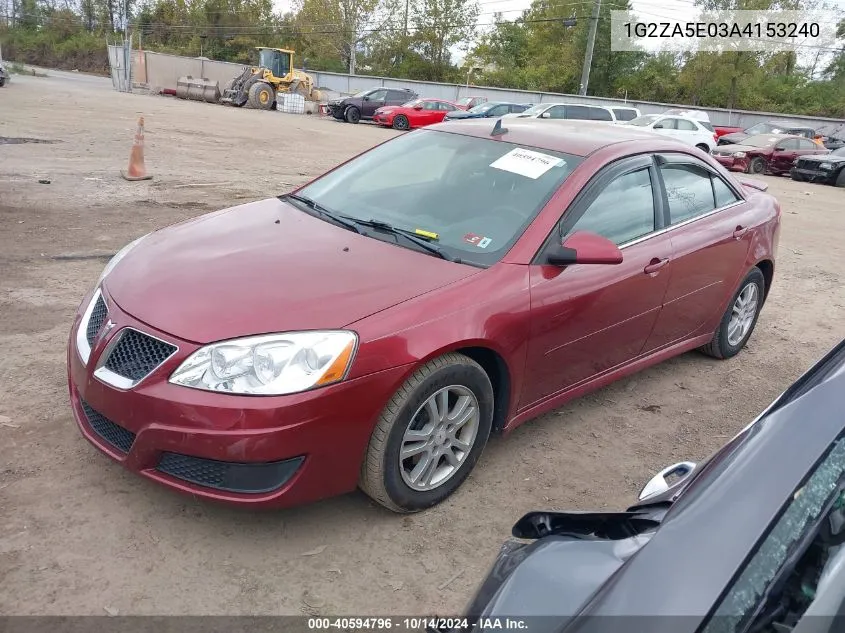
(658, 483)
(546, 115)
(657, 126)
(365, 98)
(418, 107)
(584, 247)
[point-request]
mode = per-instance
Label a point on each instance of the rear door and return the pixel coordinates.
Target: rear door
(556, 112)
(431, 113)
(708, 222)
(588, 319)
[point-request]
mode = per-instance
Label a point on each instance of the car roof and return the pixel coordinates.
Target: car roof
(576, 137)
(707, 536)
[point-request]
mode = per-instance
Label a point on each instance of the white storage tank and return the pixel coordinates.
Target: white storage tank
(290, 103)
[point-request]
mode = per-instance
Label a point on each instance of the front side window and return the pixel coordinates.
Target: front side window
(431, 105)
(600, 114)
(666, 124)
(788, 144)
(498, 110)
(689, 191)
(578, 112)
(806, 144)
(378, 95)
(557, 112)
(623, 211)
(477, 195)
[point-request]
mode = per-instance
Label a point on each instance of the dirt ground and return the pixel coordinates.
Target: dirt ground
(79, 535)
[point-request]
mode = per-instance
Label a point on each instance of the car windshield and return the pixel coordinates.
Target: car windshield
(838, 152)
(476, 195)
(537, 109)
(765, 128)
(761, 140)
(465, 101)
(483, 107)
(363, 93)
(644, 120)
(412, 103)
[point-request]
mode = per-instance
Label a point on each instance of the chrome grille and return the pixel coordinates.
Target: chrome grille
(135, 355)
(95, 321)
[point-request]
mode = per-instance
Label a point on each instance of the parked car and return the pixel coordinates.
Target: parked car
(374, 326)
(488, 110)
(468, 103)
(4, 75)
(698, 115)
(769, 127)
(416, 113)
(625, 113)
(722, 130)
(697, 133)
(749, 540)
(772, 153)
(364, 104)
(833, 135)
(826, 168)
(566, 111)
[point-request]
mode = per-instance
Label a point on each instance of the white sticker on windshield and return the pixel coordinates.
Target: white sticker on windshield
(527, 163)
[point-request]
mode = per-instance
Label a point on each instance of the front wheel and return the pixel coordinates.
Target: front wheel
(840, 179)
(430, 435)
(739, 319)
(261, 96)
(400, 122)
(757, 165)
(353, 114)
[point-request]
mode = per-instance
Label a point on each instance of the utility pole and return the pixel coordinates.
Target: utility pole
(591, 42)
(406, 18)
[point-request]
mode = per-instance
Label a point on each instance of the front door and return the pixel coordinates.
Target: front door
(588, 319)
(373, 102)
(785, 152)
(709, 228)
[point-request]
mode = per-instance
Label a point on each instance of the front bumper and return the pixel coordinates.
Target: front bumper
(732, 163)
(274, 451)
(812, 175)
(383, 119)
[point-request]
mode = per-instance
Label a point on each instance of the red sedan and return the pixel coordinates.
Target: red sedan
(772, 153)
(375, 326)
(416, 113)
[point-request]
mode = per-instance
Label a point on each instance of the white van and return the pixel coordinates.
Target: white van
(578, 111)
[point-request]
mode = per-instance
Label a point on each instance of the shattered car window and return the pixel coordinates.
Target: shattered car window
(802, 510)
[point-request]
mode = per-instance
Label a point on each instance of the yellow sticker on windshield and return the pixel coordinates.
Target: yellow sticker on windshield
(428, 234)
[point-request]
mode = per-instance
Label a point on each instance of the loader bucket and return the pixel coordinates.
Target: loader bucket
(198, 89)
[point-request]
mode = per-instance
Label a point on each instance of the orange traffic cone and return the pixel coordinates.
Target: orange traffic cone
(136, 169)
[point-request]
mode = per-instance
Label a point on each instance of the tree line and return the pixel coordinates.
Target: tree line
(540, 49)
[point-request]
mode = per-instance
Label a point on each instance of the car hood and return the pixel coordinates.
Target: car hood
(267, 267)
(823, 158)
(738, 147)
(734, 137)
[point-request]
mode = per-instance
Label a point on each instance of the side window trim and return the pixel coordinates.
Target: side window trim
(594, 188)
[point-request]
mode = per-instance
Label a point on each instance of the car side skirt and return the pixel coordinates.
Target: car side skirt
(559, 399)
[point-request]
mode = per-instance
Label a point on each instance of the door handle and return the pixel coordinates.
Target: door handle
(739, 231)
(655, 264)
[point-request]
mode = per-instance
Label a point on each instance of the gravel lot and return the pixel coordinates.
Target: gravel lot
(79, 535)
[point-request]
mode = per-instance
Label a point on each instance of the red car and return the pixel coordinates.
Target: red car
(721, 130)
(772, 153)
(376, 325)
(416, 113)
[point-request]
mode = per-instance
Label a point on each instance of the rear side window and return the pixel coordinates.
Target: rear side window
(442, 105)
(578, 112)
(689, 191)
(683, 124)
(791, 143)
(623, 114)
(806, 144)
(724, 194)
(623, 211)
(498, 110)
(600, 114)
(706, 126)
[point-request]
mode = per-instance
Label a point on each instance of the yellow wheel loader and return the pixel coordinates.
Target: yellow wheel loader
(257, 86)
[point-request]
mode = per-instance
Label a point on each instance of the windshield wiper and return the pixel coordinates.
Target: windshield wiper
(337, 218)
(408, 235)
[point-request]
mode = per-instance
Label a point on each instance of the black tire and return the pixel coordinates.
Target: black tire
(840, 179)
(703, 148)
(757, 166)
(719, 347)
(261, 96)
(381, 476)
(2, 81)
(400, 122)
(352, 114)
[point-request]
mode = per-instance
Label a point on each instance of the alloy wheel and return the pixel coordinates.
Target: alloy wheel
(743, 314)
(439, 438)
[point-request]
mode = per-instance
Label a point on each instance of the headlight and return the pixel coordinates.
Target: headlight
(826, 165)
(739, 154)
(114, 261)
(271, 364)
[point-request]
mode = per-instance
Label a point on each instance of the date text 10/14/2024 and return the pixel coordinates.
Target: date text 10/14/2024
(432, 624)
